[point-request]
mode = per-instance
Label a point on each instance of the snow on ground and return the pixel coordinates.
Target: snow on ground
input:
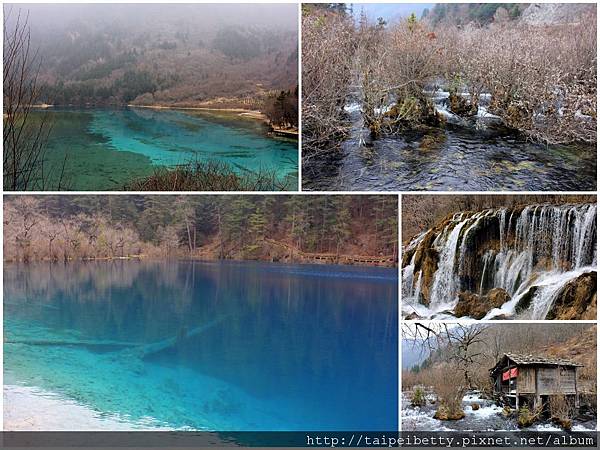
(353, 108)
(484, 412)
(32, 409)
(415, 419)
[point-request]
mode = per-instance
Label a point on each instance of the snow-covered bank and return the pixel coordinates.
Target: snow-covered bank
(487, 416)
(32, 409)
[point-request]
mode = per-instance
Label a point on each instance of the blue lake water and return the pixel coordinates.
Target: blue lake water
(213, 346)
(104, 149)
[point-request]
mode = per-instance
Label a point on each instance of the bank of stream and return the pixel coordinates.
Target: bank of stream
(488, 417)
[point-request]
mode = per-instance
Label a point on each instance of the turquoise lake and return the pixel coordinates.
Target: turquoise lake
(224, 346)
(104, 149)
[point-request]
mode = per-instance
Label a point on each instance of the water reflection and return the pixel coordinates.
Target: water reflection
(308, 346)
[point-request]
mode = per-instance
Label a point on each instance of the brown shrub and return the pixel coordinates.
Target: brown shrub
(327, 63)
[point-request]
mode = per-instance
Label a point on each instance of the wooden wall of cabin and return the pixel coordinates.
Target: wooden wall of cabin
(526, 380)
(556, 380)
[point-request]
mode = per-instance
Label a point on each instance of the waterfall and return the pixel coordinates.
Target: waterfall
(446, 279)
(531, 251)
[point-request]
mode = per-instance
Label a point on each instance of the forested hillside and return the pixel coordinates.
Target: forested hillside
(482, 13)
(282, 227)
(486, 13)
(186, 55)
(420, 212)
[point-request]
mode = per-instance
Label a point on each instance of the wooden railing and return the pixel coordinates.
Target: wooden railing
(333, 257)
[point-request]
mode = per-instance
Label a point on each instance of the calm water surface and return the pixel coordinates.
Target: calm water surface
(221, 346)
(107, 148)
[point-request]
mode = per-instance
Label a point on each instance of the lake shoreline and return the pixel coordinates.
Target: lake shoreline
(24, 408)
(246, 113)
(143, 257)
(291, 133)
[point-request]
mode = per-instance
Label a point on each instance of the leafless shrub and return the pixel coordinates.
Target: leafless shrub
(562, 410)
(327, 60)
(410, 380)
(448, 383)
(24, 134)
(542, 78)
(587, 380)
(396, 66)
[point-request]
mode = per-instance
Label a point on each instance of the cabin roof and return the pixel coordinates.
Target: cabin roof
(532, 360)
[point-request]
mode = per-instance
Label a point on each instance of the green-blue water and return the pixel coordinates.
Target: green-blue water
(221, 346)
(104, 149)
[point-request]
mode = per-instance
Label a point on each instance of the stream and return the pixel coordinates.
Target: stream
(487, 418)
(476, 154)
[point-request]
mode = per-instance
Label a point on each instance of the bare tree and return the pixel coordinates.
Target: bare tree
(25, 134)
(463, 345)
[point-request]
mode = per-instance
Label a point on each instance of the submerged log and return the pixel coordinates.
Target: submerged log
(146, 350)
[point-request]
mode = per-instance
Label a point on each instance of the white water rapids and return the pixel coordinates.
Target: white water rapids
(535, 250)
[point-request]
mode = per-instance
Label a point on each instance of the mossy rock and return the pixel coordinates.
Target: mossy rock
(525, 418)
(418, 397)
(576, 299)
(411, 112)
(475, 406)
(477, 306)
(460, 106)
(375, 129)
(565, 423)
(445, 413)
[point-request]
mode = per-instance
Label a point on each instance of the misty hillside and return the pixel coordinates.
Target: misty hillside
(485, 13)
(413, 354)
(163, 54)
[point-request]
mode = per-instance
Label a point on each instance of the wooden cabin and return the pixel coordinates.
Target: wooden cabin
(531, 380)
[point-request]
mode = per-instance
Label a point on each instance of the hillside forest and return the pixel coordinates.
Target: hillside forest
(287, 228)
(218, 56)
(421, 212)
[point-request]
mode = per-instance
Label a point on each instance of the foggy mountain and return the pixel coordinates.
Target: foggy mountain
(184, 54)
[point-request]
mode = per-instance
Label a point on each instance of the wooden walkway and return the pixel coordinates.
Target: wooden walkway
(328, 258)
(333, 257)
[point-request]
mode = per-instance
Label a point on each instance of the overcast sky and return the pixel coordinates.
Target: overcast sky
(391, 11)
(57, 16)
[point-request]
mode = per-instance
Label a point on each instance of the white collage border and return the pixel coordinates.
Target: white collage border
(399, 194)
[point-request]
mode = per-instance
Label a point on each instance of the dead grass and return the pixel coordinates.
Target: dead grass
(208, 176)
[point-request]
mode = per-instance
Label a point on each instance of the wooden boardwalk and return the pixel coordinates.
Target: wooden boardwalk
(299, 255)
(333, 257)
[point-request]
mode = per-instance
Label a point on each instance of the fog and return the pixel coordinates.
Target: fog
(115, 53)
(58, 17)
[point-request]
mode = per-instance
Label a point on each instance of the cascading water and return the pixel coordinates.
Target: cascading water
(530, 253)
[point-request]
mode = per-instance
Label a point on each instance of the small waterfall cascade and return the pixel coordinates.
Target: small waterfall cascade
(529, 252)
